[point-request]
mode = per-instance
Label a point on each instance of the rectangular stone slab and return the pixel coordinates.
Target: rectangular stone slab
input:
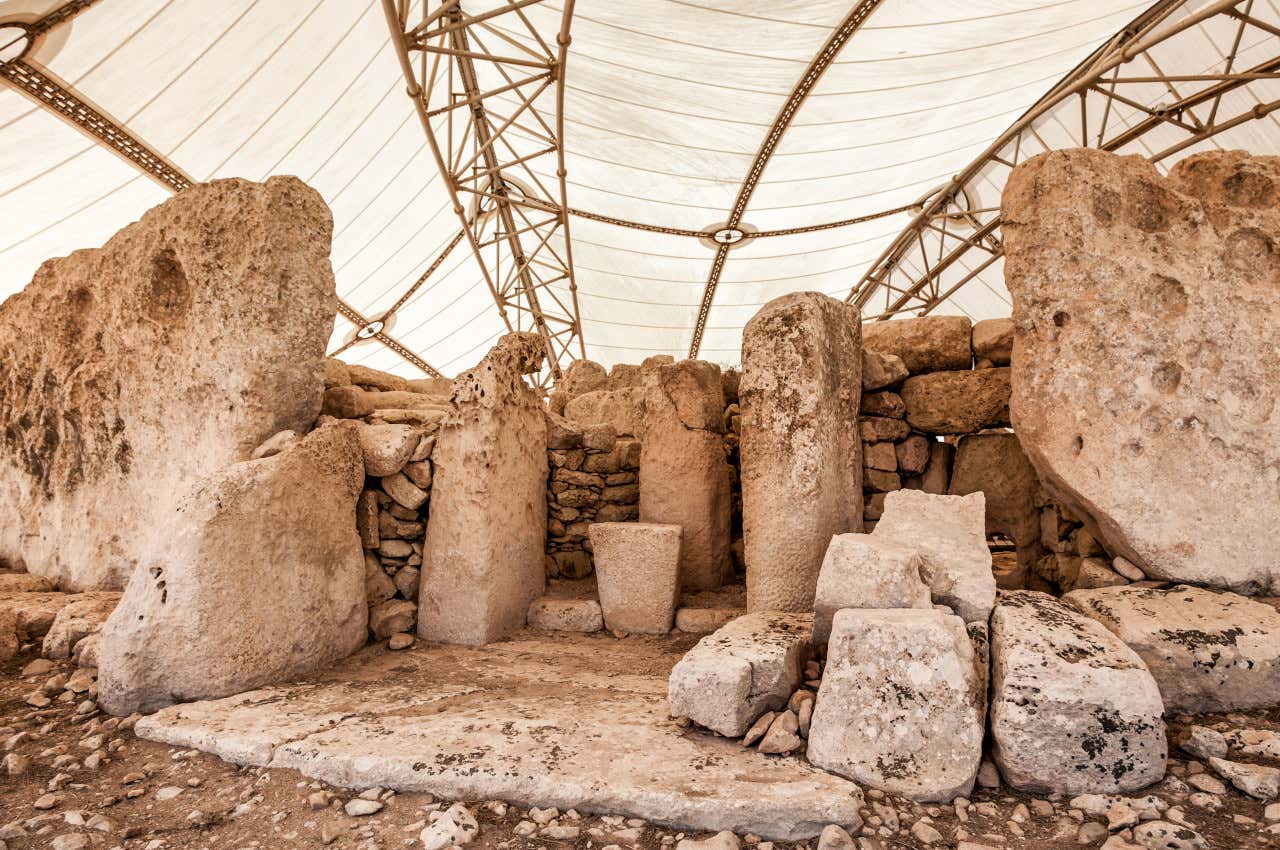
(574, 722)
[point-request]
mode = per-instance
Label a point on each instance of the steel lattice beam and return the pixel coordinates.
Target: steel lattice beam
(947, 245)
(468, 74)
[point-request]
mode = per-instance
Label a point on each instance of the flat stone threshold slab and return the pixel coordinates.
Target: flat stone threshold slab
(572, 721)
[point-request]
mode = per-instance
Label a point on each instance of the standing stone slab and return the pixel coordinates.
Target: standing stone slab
(864, 571)
(482, 559)
(133, 370)
(1145, 355)
(800, 452)
(925, 344)
(684, 477)
(949, 533)
(1208, 651)
(260, 577)
(1073, 710)
(995, 465)
(900, 707)
(740, 671)
(637, 574)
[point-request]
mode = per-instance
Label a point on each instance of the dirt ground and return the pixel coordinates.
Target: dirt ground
(138, 794)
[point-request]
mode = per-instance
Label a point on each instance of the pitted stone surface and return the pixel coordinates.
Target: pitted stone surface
(1208, 651)
(1145, 354)
(865, 571)
(800, 451)
(1073, 710)
(901, 707)
(740, 671)
(134, 369)
(957, 402)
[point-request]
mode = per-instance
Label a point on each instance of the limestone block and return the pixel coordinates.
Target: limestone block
(740, 671)
(936, 478)
(799, 450)
(375, 379)
(562, 435)
(864, 571)
(79, 618)
(637, 574)
(24, 583)
(880, 456)
(1096, 572)
(34, 613)
(1145, 355)
(925, 344)
(912, 454)
(482, 560)
(995, 465)
(957, 402)
(1073, 710)
(949, 533)
(623, 409)
(391, 617)
(387, 448)
(884, 403)
(258, 578)
(1208, 651)
(118, 397)
(582, 377)
(566, 615)
(993, 341)
(875, 429)
(900, 704)
(684, 475)
(702, 621)
(881, 370)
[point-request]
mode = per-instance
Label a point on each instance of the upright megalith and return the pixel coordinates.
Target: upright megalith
(130, 371)
(800, 450)
(684, 477)
(1145, 355)
(482, 561)
(258, 577)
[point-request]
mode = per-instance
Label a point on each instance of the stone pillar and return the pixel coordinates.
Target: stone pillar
(801, 455)
(684, 478)
(482, 561)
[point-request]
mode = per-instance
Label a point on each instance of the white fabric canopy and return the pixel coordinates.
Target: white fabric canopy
(667, 102)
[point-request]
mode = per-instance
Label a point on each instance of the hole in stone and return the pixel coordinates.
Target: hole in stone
(1078, 443)
(1060, 318)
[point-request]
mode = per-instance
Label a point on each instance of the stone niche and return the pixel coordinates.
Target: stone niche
(134, 369)
(1145, 355)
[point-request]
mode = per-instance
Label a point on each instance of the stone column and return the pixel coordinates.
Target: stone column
(684, 478)
(800, 451)
(482, 561)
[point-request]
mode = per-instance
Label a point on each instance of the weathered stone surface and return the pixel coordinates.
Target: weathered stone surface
(864, 571)
(375, 379)
(582, 377)
(1208, 651)
(957, 402)
(130, 392)
(482, 561)
(881, 370)
(79, 618)
(34, 613)
(562, 434)
(392, 617)
(925, 344)
(740, 671)
(993, 341)
(949, 533)
(799, 449)
(1145, 354)
(566, 615)
(637, 574)
(24, 583)
(701, 621)
(995, 465)
(683, 473)
(895, 680)
(1096, 572)
(623, 409)
(387, 448)
(260, 577)
(1073, 710)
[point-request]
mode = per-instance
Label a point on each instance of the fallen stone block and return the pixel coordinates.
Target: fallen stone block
(637, 574)
(800, 451)
(925, 344)
(900, 707)
(1073, 710)
(1208, 651)
(949, 532)
(260, 577)
(79, 618)
(747, 667)
(957, 402)
(864, 571)
(566, 615)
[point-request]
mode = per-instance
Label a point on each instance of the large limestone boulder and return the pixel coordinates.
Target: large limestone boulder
(925, 344)
(957, 402)
(482, 560)
(259, 577)
(684, 477)
(864, 571)
(1208, 651)
(1073, 710)
(895, 680)
(743, 669)
(949, 533)
(800, 452)
(621, 409)
(132, 370)
(995, 465)
(1145, 354)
